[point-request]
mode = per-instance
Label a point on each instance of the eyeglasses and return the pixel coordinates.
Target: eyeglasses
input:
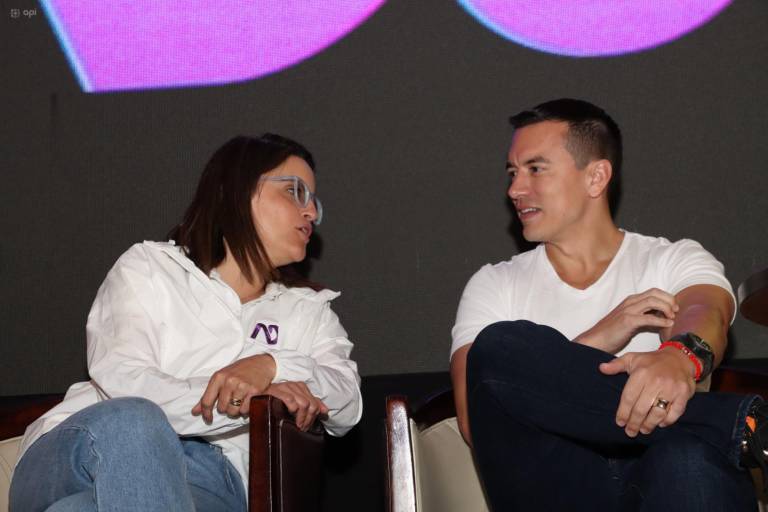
(302, 195)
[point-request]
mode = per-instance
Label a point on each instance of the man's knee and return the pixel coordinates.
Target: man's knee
(502, 345)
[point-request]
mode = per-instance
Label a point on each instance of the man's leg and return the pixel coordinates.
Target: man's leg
(685, 474)
(524, 468)
(120, 454)
(541, 380)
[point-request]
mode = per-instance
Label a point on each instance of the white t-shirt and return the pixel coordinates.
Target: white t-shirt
(527, 287)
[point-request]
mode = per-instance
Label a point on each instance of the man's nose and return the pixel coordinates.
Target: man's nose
(518, 187)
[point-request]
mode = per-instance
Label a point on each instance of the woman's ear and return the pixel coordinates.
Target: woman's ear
(598, 176)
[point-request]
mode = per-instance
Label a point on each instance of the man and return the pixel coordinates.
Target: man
(575, 364)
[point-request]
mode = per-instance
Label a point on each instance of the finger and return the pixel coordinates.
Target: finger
(246, 407)
(640, 410)
(209, 397)
(247, 392)
(629, 396)
(197, 409)
(654, 418)
(617, 365)
(301, 411)
(654, 304)
(644, 320)
(675, 410)
(223, 404)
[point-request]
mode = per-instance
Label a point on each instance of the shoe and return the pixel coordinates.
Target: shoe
(755, 443)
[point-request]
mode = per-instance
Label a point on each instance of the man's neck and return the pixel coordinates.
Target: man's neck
(584, 256)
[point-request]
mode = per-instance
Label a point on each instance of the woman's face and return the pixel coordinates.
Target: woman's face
(283, 226)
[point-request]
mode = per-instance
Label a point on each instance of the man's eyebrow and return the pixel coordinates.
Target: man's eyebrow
(538, 159)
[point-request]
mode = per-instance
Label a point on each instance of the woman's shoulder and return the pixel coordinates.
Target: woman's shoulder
(306, 293)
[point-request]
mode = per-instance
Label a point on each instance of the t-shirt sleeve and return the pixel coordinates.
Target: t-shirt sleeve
(482, 303)
(686, 263)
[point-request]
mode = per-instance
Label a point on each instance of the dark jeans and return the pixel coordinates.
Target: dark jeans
(542, 418)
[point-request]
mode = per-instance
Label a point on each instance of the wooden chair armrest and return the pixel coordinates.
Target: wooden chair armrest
(17, 412)
(743, 381)
(286, 464)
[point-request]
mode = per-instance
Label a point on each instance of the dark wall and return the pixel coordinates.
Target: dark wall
(407, 119)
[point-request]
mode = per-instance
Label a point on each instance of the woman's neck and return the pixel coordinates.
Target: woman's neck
(231, 274)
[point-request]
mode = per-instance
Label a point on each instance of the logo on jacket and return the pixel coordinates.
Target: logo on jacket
(270, 332)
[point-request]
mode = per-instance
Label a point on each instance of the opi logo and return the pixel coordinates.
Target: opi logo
(270, 332)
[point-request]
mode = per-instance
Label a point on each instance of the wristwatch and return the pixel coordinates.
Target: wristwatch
(699, 348)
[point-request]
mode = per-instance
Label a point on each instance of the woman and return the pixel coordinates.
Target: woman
(180, 337)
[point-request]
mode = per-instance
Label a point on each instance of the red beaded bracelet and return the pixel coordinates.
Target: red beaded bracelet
(685, 350)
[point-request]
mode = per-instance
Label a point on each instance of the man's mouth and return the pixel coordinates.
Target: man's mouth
(526, 213)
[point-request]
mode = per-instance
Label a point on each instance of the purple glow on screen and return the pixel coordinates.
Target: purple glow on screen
(140, 44)
(591, 28)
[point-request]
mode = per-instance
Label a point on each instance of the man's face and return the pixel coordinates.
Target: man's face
(547, 189)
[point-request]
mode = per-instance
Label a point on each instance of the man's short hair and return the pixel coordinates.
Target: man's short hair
(592, 135)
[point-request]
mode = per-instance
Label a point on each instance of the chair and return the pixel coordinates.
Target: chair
(430, 468)
(286, 471)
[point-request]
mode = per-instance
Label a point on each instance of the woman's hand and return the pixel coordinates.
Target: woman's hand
(236, 384)
(299, 401)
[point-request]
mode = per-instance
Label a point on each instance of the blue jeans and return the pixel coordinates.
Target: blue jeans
(542, 418)
(123, 455)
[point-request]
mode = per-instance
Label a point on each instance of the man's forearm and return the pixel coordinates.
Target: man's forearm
(706, 311)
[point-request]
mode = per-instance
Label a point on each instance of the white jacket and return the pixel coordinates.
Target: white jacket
(159, 328)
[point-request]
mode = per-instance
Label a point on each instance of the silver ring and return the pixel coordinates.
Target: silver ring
(235, 402)
(661, 403)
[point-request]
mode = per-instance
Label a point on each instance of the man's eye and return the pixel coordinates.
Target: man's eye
(535, 169)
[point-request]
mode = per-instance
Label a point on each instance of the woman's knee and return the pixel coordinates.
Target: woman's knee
(125, 416)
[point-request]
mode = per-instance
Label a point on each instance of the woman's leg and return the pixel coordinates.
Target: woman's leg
(215, 484)
(120, 454)
(538, 379)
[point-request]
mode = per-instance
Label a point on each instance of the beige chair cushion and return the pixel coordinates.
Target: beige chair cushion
(9, 450)
(446, 479)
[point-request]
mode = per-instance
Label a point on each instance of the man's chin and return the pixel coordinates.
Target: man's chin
(532, 236)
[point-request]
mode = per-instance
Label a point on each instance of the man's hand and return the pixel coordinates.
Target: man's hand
(240, 380)
(299, 401)
(653, 309)
(664, 374)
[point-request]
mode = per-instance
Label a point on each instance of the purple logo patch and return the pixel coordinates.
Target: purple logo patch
(270, 332)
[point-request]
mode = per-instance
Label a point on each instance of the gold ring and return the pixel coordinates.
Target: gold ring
(661, 403)
(235, 402)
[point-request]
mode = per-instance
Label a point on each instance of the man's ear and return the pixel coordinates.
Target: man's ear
(598, 176)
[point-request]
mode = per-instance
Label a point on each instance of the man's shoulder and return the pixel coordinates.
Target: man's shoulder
(659, 246)
(505, 270)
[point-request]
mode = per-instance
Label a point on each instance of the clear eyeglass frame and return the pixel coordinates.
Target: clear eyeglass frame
(302, 195)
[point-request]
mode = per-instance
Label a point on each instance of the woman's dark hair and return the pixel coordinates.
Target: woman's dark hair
(221, 208)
